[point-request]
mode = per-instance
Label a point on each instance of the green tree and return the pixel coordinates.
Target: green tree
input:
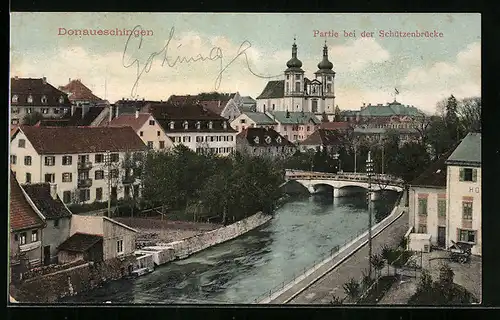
(352, 289)
(32, 118)
(377, 263)
(337, 114)
(469, 115)
(412, 158)
(451, 118)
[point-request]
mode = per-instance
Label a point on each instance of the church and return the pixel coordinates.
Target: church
(296, 93)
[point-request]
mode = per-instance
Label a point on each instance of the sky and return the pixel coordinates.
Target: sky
(242, 52)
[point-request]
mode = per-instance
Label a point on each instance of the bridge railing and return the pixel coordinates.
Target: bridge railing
(303, 271)
(346, 176)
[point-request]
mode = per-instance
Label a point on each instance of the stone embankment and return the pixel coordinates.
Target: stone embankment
(166, 252)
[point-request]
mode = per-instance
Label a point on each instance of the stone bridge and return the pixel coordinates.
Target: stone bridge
(342, 183)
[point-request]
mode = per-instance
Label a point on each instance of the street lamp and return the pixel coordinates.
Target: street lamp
(369, 171)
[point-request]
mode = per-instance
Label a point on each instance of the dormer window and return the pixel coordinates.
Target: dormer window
(171, 125)
(30, 99)
(210, 125)
(14, 98)
(198, 125)
(61, 99)
(268, 139)
(278, 140)
(44, 99)
(224, 125)
(186, 125)
(256, 140)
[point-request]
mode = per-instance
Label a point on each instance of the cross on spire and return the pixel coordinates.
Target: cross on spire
(294, 38)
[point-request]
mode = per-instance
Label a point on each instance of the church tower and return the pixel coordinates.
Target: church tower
(294, 82)
(326, 76)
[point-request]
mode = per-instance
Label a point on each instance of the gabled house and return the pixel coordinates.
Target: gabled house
(146, 127)
(26, 224)
(97, 238)
(264, 142)
(295, 126)
(29, 95)
(321, 139)
(238, 105)
(57, 217)
(78, 93)
(253, 120)
(80, 160)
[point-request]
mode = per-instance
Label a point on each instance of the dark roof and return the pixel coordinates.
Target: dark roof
(323, 137)
(434, 175)
(22, 215)
(182, 100)
(76, 90)
(336, 125)
(165, 111)
(77, 120)
(262, 137)
(192, 126)
(50, 208)
(216, 106)
(70, 140)
(390, 109)
(37, 88)
(468, 151)
(298, 117)
(80, 242)
(274, 89)
(260, 118)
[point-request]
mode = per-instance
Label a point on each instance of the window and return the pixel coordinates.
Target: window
(114, 157)
(84, 195)
(45, 110)
(13, 159)
(210, 125)
(422, 206)
(314, 106)
(67, 196)
(67, 160)
(198, 125)
(14, 121)
(328, 88)
(297, 87)
(50, 161)
(243, 121)
(22, 238)
(441, 207)
(83, 158)
(422, 228)
(99, 158)
(113, 173)
(186, 125)
(56, 223)
(287, 87)
(30, 99)
(172, 125)
(329, 78)
(56, 110)
(162, 144)
(27, 160)
(61, 99)
(141, 133)
(14, 98)
(50, 177)
(467, 210)
(99, 175)
(21, 143)
(467, 236)
(468, 174)
(34, 236)
(98, 194)
(151, 122)
(158, 133)
(119, 246)
(150, 144)
(297, 77)
(67, 177)
(28, 110)
(288, 77)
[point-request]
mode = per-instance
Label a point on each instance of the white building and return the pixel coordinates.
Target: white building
(253, 120)
(75, 159)
(464, 193)
(146, 127)
(238, 105)
(297, 93)
(196, 127)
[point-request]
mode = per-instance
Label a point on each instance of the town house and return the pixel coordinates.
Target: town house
(146, 127)
(26, 224)
(57, 217)
(322, 139)
(97, 238)
(463, 193)
(253, 120)
(195, 127)
(294, 126)
(36, 95)
(86, 163)
(264, 142)
(79, 94)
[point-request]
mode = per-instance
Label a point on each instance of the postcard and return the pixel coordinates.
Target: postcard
(245, 158)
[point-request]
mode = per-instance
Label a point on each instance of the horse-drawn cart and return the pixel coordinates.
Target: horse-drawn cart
(460, 252)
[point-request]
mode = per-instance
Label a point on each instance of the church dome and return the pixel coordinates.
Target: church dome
(325, 64)
(294, 62)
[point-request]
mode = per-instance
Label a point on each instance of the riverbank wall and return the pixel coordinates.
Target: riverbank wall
(166, 252)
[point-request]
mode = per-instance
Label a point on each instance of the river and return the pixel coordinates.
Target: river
(239, 271)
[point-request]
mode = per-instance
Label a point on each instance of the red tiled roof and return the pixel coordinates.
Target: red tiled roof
(13, 129)
(76, 90)
(70, 140)
(50, 208)
(129, 120)
(335, 125)
(22, 215)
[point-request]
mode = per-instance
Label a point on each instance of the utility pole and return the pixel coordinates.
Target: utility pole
(355, 160)
(383, 151)
(369, 171)
(108, 167)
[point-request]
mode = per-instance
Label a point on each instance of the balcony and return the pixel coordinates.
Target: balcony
(84, 165)
(128, 179)
(29, 246)
(84, 183)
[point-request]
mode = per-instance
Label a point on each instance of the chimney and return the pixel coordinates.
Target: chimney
(44, 80)
(73, 107)
(69, 80)
(16, 78)
(110, 112)
(116, 116)
(136, 113)
(53, 191)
